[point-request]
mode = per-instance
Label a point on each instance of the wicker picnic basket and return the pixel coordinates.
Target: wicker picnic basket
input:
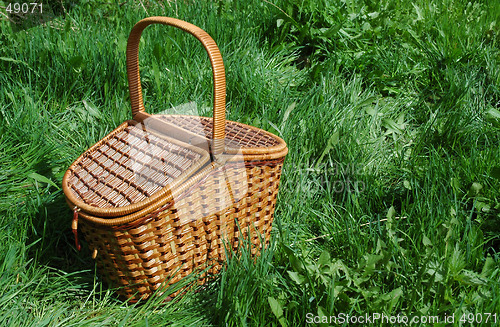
(163, 196)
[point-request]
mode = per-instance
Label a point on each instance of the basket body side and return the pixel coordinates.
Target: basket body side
(193, 234)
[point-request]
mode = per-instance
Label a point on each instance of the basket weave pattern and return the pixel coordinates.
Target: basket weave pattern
(172, 242)
(129, 166)
(237, 135)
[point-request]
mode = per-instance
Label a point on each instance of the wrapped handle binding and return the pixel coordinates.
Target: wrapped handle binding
(134, 79)
(74, 227)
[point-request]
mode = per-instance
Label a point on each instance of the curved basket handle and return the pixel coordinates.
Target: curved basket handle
(134, 79)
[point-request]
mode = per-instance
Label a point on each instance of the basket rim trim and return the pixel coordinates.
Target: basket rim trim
(181, 191)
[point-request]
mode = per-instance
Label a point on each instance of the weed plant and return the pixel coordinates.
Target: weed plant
(389, 201)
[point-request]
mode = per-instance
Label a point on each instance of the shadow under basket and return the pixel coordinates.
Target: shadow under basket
(163, 196)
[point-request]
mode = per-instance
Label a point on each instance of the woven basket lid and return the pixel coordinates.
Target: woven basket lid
(128, 170)
(240, 138)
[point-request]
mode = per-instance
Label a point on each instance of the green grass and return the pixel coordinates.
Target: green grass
(390, 195)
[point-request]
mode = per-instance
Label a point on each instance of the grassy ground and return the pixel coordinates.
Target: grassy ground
(389, 201)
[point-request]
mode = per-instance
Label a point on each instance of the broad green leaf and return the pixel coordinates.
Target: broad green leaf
(371, 261)
(482, 206)
(394, 297)
(426, 241)
(156, 74)
(471, 278)
(332, 141)
(391, 213)
(277, 310)
(360, 279)
(475, 189)
(324, 317)
(276, 128)
(10, 96)
(343, 32)
(288, 111)
(488, 268)
(493, 116)
(380, 246)
(366, 27)
(91, 109)
(455, 183)
(121, 43)
(13, 60)
(493, 113)
(294, 261)
(435, 271)
(296, 277)
(392, 126)
(338, 267)
(368, 102)
(372, 111)
(457, 261)
(42, 179)
(418, 11)
(311, 268)
(324, 258)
